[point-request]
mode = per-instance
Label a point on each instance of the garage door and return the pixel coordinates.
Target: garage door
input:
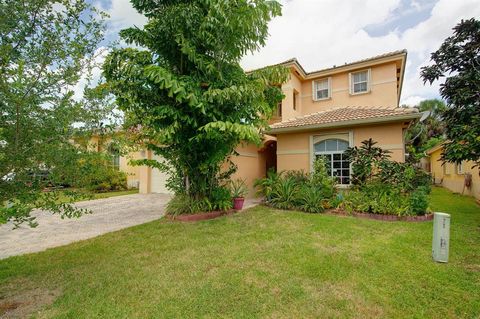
(159, 179)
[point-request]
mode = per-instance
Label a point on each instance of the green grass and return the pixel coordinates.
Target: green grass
(64, 198)
(261, 263)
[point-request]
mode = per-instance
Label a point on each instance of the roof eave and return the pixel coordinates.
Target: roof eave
(375, 120)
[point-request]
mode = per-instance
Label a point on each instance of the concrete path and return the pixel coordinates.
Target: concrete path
(109, 214)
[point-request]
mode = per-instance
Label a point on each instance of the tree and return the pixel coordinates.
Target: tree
(186, 90)
(45, 47)
(458, 60)
(423, 135)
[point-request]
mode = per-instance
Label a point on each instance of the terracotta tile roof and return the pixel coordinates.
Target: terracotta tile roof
(295, 60)
(385, 55)
(347, 115)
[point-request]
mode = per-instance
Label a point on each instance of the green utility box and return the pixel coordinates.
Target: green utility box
(441, 237)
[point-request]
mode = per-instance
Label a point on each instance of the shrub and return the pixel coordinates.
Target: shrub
(310, 199)
(284, 194)
(298, 190)
(385, 186)
(221, 198)
(182, 204)
(419, 201)
(266, 185)
(109, 180)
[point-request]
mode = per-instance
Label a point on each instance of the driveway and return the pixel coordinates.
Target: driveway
(109, 214)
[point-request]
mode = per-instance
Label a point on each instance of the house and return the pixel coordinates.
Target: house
(323, 112)
(103, 142)
(460, 178)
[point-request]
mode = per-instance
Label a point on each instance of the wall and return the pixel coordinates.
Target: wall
(294, 150)
(383, 92)
(251, 165)
(447, 175)
(293, 84)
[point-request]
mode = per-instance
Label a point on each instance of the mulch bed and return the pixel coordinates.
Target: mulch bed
(200, 216)
(389, 218)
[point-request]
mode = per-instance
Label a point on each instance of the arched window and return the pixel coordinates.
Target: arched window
(331, 150)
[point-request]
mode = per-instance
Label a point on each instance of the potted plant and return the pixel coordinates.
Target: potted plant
(239, 189)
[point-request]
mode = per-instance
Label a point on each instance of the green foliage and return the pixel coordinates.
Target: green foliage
(419, 201)
(238, 188)
(298, 190)
(265, 186)
(385, 186)
(403, 176)
(285, 193)
(45, 48)
(458, 60)
(421, 136)
(186, 89)
(182, 204)
(364, 159)
(221, 198)
(310, 199)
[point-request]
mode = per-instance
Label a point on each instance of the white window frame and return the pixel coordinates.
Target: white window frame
(460, 170)
(329, 87)
(369, 80)
(341, 135)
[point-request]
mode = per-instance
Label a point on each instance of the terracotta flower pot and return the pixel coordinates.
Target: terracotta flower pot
(238, 203)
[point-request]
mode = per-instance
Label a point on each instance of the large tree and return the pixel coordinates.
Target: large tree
(182, 85)
(458, 60)
(46, 46)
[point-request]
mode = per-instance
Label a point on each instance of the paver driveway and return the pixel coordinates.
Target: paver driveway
(109, 214)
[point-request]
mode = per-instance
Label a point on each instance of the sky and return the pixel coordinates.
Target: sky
(323, 33)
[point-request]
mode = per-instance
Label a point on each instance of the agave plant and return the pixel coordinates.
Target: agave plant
(284, 194)
(310, 199)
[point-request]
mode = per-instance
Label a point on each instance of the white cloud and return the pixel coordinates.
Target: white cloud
(323, 33)
(122, 15)
(91, 77)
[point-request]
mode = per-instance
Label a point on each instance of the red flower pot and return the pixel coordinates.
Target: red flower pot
(238, 203)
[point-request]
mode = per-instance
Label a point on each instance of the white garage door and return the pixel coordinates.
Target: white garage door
(158, 179)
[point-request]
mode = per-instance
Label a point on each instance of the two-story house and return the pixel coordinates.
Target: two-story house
(322, 114)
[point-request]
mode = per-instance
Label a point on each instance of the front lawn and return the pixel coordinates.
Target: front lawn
(260, 263)
(64, 198)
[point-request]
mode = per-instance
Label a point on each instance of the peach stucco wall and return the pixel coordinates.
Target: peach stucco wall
(295, 150)
(448, 176)
(251, 165)
(293, 84)
(383, 92)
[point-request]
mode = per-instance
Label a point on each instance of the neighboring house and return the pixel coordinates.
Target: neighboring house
(459, 178)
(103, 142)
(322, 114)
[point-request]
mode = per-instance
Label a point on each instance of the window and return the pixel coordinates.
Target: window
(295, 97)
(331, 150)
(359, 82)
(116, 161)
(321, 89)
(278, 110)
(114, 152)
(460, 168)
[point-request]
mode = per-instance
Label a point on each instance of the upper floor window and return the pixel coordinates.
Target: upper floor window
(460, 170)
(359, 82)
(278, 110)
(321, 89)
(295, 99)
